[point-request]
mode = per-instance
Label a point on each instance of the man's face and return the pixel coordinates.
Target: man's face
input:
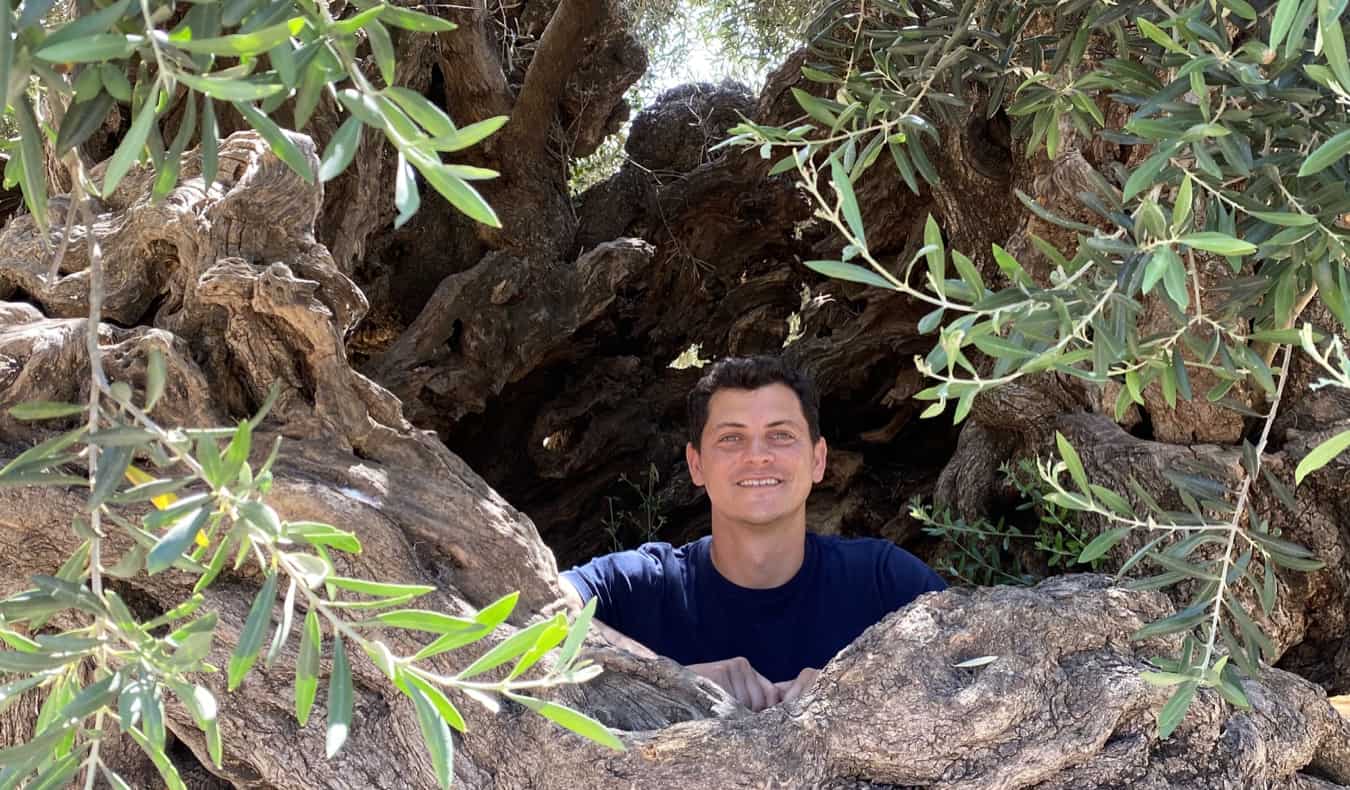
(756, 457)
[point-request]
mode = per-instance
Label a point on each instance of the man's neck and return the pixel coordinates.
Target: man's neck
(759, 558)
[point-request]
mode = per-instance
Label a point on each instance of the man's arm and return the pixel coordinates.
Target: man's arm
(734, 675)
(611, 636)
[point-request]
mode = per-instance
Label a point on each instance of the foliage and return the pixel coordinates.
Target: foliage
(72, 636)
(1244, 116)
(997, 552)
(122, 53)
(630, 527)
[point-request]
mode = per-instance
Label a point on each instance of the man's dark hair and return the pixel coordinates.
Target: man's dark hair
(751, 373)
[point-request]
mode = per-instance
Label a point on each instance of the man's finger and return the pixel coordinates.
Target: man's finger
(772, 695)
(754, 698)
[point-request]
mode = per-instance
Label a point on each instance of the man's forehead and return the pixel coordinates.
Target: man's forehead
(769, 405)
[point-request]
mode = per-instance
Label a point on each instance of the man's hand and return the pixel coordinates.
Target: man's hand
(741, 681)
(789, 690)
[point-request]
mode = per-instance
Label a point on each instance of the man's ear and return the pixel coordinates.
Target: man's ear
(695, 462)
(818, 453)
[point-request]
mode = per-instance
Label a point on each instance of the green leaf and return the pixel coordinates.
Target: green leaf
(166, 768)
(421, 620)
(550, 638)
(454, 189)
(415, 20)
(575, 721)
(317, 534)
(251, 635)
(243, 44)
(437, 699)
(436, 735)
(83, 118)
(431, 118)
(91, 49)
(577, 635)
(180, 538)
(12, 691)
(227, 89)
(384, 589)
(849, 271)
(1174, 279)
(42, 454)
(1102, 544)
(1321, 455)
(283, 631)
(1073, 462)
(506, 650)
(1181, 621)
(129, 150)
(1284, 17)
(1284, 218)
(848, 202)
(87, 24)
(468, 135)
(405, 191)
(814, 107)
(1048, 216)
(936, 255)
(1158, 35)
(1143, 176)
(154, 378)
(1164, 678)
(236, 453)
(1181, 210)
(112, 466)
(966, 268)
(28, 663)
(1175, 709)
(1221, 243)
(278, 140)
(44, 410)
(210, 142)
(382, 47)
(339, 699)
(307, 667)
(1326, 155)
(1333, 39)
(1158, 264)
(1010, 267)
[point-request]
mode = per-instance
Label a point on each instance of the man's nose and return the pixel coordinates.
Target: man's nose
(761, 451)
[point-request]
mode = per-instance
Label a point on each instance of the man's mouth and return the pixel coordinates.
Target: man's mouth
(760, 482)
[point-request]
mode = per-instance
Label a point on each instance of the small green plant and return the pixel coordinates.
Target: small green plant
(1007, 550)
(629, 528)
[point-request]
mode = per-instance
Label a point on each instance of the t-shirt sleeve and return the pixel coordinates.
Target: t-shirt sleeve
(627, 585)
(904, 577)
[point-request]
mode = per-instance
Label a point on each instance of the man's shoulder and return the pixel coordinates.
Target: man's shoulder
(853, 549)
(860, 553)
(654, 557)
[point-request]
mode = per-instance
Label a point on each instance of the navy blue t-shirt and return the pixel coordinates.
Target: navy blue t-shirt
(675, 602)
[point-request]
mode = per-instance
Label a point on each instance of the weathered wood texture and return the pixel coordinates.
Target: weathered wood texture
(538, 354)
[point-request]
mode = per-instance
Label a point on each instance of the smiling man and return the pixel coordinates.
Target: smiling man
(759, 606)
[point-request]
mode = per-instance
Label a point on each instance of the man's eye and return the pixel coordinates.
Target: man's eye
(730, 438)
(783, 436)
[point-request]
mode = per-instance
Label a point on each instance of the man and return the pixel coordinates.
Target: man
(760, 605)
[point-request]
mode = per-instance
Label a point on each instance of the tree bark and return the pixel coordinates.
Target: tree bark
(411, 362)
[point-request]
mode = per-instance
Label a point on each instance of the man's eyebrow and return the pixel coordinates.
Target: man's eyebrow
(719, 426)
(776, 423)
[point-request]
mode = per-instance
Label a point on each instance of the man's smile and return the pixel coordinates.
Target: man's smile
(760, 482)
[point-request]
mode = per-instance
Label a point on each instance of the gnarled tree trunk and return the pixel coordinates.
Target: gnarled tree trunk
(410, 362)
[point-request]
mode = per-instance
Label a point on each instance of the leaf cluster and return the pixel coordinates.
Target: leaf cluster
(1241, 121)
(207, 509)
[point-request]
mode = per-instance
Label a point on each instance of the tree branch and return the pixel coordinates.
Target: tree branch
(554, 60)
